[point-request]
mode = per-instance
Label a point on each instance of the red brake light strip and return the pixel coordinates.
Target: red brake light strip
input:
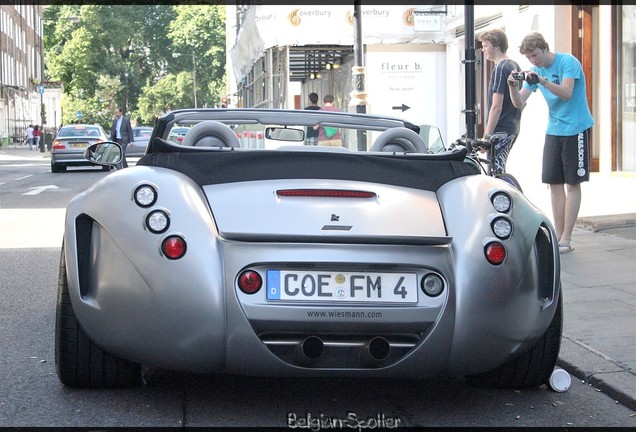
(330, 193)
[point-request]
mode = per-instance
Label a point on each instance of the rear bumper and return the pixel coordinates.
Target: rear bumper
(202, 322)
(69, 158)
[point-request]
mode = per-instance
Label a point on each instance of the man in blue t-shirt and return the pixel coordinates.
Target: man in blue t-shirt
(566, 153)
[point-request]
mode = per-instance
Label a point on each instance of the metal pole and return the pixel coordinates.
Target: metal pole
(359, 94)
(42, 112)
(470, 64)
(194, 79)
(126, 75)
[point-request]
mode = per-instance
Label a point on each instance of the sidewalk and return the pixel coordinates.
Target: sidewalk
(599, 326)
(599, 284)
(21, 152)
(598, 280)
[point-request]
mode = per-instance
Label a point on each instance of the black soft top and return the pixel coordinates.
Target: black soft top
(217, 166)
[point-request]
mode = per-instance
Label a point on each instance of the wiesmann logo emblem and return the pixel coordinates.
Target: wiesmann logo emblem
(336, 218)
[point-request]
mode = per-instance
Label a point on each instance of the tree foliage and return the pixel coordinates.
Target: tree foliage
(121, 55)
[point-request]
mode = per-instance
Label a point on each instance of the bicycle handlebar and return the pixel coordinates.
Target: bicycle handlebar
(472, 144)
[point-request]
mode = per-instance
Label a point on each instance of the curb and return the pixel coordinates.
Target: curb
(601, 223)
(604, 373)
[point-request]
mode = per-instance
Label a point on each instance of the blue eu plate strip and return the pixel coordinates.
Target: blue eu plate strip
(273, 284)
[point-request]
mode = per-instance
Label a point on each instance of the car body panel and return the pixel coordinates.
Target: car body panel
(137, 147)
(426, 215)
(312, 217)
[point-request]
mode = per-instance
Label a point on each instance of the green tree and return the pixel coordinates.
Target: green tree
(116, 54)
(201, 30)
(169, 93)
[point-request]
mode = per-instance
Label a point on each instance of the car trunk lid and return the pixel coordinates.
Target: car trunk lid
(325, 210)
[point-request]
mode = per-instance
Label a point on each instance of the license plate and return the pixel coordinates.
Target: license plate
(79, 145)
(341, 286)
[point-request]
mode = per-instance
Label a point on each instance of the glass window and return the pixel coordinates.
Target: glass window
(627, 157)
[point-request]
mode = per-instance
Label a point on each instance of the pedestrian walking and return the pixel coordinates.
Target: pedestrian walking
(122, 133)
(36, 137)
(503, 118)
(28, 135)
(328, 136)
(566, 151)
(311, 137)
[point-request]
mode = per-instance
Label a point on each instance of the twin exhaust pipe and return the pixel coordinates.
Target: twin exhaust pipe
(376, 350)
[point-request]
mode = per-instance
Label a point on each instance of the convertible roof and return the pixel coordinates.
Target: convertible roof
(218, 166)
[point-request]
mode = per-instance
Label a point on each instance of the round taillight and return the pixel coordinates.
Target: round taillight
(502, 227)
(495, 253)
(157, 221)
(501, 201)
(145, 196)
(173, 247)
(250, 282)
(432, 285)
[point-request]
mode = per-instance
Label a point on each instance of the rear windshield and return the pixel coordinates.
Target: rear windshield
(254, 135)
(79, 131)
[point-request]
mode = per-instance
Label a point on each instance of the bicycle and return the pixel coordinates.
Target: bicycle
(473, 147)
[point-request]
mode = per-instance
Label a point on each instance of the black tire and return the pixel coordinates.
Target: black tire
(510, 179)
(534, 367)
(78, 361)
(55, 168)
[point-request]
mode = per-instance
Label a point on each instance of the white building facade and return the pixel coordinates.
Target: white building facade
(21, 68)
(413, 57)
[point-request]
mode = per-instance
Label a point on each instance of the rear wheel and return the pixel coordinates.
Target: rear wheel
(533, 367)
(79, 362)
(55, 168)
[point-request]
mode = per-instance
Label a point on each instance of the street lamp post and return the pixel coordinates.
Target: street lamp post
(126, 75)
(359, 93)
(194, 74)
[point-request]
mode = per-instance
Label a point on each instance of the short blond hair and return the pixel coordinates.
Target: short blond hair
(533, 41)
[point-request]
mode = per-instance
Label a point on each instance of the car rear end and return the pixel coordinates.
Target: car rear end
(308, 260)
(71, 142)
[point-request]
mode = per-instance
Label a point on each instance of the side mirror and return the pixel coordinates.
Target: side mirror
(104, 153)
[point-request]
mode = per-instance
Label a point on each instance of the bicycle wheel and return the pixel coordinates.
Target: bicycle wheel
(510, 179)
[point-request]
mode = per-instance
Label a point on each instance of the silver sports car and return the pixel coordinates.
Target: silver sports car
(241, 250)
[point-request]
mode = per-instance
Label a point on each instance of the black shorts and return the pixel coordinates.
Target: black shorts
(566, 159)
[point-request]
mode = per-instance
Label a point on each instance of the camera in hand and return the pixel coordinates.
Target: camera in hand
(531, 78)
